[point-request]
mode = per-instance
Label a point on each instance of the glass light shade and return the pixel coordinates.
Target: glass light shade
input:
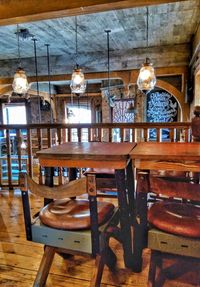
(23, 145)
(146, 80)
(78, 84)
(20, 84)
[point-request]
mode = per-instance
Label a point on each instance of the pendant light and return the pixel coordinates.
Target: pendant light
(78, 84)
(20, 84)
(146, 79)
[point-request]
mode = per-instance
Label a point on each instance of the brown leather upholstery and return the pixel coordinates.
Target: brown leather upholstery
(175, 217)
(73, 214)
(168, 173)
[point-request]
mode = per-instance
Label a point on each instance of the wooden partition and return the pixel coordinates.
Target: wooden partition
(19, 143)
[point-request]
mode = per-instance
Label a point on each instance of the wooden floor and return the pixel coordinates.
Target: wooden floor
(19, 258)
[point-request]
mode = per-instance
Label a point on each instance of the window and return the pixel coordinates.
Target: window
(14, 114)
(79, 115)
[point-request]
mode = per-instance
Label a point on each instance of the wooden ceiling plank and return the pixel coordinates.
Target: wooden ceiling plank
(13, 12)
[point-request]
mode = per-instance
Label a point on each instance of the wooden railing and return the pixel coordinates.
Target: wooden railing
(19, 143)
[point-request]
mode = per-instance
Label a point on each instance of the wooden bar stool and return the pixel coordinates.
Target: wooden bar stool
(174, 229)
(72, 226)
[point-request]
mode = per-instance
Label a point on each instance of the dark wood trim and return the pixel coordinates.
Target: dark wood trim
(13, 12)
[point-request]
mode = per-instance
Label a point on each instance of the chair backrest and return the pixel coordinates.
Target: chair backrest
(175, 187)
(71, 189)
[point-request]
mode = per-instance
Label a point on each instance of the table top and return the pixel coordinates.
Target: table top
(171, 156)
(87, 154)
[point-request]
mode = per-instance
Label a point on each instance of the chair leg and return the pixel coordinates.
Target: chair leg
(45, 266)
(98, 271)
(110, 259)
(155, 261)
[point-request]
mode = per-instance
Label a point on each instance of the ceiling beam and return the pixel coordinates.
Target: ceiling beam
(126, 76)
(5, 89)
(85, 95)
(13, 12)
(196, 46)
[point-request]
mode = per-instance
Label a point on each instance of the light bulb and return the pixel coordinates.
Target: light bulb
(78, 84)
(77, 79)
(23, 145)
(146, 80)
(20, 84)
(145, 74)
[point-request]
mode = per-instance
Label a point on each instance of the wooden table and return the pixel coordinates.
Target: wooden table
(157, 156)
(99, 155)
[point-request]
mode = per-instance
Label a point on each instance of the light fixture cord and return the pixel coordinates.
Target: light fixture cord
(49, 80)
(108, 54)
(18, 47)
(87, 97)
(147, 29)
(36, 75)
(76, 40)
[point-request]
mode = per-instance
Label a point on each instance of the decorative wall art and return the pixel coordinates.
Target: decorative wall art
(119, 111)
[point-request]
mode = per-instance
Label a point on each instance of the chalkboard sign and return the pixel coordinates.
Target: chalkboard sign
(161, 107)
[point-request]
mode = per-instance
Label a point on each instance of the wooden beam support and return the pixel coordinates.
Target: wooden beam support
(124, 75)
(5, 89)
(12, 11)
(84, 95)
(196, 47)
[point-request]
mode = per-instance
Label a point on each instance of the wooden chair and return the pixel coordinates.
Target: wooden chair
(174, 230)
(72, 226)
(106, 183)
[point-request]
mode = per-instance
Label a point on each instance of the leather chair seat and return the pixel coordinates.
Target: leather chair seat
(175, 217)
(73, 214)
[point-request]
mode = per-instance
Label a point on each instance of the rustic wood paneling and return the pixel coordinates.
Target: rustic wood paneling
(166, 43)
(23, 11)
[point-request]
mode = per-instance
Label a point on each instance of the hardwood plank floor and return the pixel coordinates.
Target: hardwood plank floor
(19, 258)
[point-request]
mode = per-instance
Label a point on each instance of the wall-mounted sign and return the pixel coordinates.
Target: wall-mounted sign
(162, 107)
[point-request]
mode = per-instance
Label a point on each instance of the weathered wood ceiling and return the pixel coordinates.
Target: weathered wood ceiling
(171, 27)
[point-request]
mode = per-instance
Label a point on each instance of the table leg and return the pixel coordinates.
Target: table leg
(48, 173)
(72, 174)
(92, 192)
(131, 191)
(140, 222)
(124, 216)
